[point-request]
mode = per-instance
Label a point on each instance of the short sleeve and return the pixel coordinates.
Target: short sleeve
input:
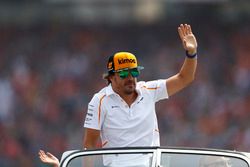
(158, 89)
(95, 115)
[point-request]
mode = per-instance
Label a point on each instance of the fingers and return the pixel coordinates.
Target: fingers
(41, 153)
(189, 29)
(42, 156)
(50, 155)
(187, 37)
(180, 31)
(184, 29)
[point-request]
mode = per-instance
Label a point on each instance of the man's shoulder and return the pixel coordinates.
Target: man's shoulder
(140, 84)
(101, 93)
(149, 84)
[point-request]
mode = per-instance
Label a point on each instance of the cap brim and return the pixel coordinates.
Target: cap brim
(138, 67)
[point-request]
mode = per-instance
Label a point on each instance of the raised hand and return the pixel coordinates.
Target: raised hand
(48, 158)
(188, 39)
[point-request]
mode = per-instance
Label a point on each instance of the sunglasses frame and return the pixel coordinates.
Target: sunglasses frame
(124, 73)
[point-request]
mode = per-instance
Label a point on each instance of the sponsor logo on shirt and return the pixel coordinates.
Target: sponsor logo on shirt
(90, 105)
(88, 119)
(140, 100)
(114, 106)
(90, 114)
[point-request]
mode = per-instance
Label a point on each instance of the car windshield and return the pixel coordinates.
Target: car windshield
(153, 158)
(113, 160)
(195, 160)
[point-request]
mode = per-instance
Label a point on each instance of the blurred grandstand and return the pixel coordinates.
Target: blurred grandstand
(53, 54)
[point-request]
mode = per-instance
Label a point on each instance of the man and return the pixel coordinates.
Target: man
(123, 113)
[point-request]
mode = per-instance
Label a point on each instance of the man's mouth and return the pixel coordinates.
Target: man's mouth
(129, 83)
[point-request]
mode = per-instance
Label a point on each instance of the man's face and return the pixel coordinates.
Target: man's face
(124, 83)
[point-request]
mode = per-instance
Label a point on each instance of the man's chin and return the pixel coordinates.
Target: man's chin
(129, 89)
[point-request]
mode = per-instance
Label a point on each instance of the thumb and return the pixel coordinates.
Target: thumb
(50, 155)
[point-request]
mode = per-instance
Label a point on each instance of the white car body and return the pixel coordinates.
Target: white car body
(154, 157)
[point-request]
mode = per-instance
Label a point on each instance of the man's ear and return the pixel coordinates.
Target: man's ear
(111, 77)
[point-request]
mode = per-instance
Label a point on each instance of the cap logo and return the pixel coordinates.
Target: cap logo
(122, 61)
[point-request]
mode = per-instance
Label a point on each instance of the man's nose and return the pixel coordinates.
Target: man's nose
(130, 76)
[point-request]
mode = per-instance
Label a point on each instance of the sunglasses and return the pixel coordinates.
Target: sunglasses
(124, 73)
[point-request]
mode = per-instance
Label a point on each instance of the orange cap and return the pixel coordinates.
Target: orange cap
(122, 60)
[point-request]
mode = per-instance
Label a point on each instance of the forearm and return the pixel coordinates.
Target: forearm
(182, 79)
(91, 137)
(188, 70)
(89, 144)
(187, 73)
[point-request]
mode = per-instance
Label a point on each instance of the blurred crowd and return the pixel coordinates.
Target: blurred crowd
(48, 74)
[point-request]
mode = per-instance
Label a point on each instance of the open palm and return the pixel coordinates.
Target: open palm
(188, 39)
(48, 158)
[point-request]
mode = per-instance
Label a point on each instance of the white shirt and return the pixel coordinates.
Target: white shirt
(124, 126)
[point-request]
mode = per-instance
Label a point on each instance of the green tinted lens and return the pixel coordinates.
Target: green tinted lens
(135, 72)
(123, 74)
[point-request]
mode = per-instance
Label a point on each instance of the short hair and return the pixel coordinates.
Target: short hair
(107, 75)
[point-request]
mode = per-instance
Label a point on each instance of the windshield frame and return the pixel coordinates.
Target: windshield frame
(155, 151)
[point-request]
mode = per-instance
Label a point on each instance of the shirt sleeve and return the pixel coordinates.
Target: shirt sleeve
(158, 89)
(94, 116)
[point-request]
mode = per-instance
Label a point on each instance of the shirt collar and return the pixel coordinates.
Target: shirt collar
(109, 90)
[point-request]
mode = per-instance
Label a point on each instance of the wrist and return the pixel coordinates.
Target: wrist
(191, 55)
